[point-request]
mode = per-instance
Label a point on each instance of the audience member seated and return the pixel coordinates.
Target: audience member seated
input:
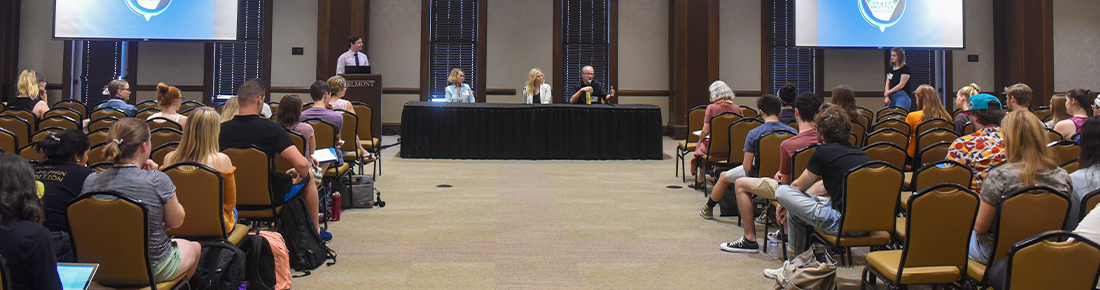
(119, 93)
(458, 92)
(30, 95)
(339, 87)
(787, 93)
(962, 102)
(806, 108)
(1058, 110)
(1079, 106)
(169, 101)
(1087, 177)
(845, 98)
(249, 128)
(931, 108)
(1018, 97)
(230, 109)
(200, 145)
(24, 243)
(721, 101)
(62, 175)
(985, 147)
(290, 110)
(809, 203)
(769, 107)
(135, 175)
(1029, 163)
(536, 90)
(590, 91)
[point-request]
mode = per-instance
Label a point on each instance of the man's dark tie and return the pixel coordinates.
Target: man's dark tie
(356, 59)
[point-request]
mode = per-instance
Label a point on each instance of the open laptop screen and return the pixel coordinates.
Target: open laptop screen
(76, 276)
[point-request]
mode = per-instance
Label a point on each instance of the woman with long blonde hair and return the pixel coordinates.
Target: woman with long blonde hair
(200, 145)
(1028, 163)
(536, 90)
(931, 108)
(169, 101)
(1058, 110)
(28, 97)
(230, 109)
(962, 102)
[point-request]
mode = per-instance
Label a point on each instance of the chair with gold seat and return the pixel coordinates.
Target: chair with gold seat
(25, 114)
(749, 112)
(767, 162)
(101, 166)
(1042, 112)
(886, 151)
(19, 127)
(274, 108)
(46, 131)
(348, 134)
(365, 130)
(898, 124)
(889, 134)
(943, 171)
(161, 122)
(1023, 213)
(255, 200)
(1065, 150)
(799, 160)
(933, 124)
(871, 197)
(78, 106)
(163, 135)
(147, 112)
(63, 111)
(189, 104)
(8, 141)
(738, 131)
(201, 190)
(1053, 136)
(1088, 203)
(58, 121)
(940, 220)
(1053, 260)
(160, 152)
(326, 136)
(891, 110)
(121, 246)
(98, 136)
(932, 153)
(1070, 166)
(95, 153)
(718, 146)
(968, 129)
(687, 146)
(860, 132)
(891, 116)
(934, 137)
(105, 112)
(281, 164)
(32, 154)
(146, 104)
(104, 122)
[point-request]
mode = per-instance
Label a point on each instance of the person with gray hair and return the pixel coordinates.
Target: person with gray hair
(721, 101)
(588, 90)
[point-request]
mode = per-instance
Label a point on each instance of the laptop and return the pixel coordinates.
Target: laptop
(357, 69)
(76, 276)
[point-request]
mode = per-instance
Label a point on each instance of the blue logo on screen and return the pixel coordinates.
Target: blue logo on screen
(882, 13)
(148, 8)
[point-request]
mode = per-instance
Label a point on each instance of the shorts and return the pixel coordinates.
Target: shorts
(170, 267)
(764, 187)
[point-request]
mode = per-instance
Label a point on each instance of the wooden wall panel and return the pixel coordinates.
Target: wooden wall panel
(336, 20)
(9, 48)
(1023, 37)
(694, 60)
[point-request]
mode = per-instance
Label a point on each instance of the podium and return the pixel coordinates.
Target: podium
(367, 88)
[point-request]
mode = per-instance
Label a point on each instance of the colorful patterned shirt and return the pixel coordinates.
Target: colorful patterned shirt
(980, 151)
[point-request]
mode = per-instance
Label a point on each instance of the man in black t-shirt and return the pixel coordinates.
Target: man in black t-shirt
(809, 202)
(248, 128)
(588, 90)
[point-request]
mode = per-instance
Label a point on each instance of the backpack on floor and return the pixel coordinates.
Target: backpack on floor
(268, 264)
(221, 266)
(304, 245)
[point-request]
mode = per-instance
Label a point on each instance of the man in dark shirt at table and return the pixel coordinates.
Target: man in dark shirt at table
(248, 128)
(588, 90)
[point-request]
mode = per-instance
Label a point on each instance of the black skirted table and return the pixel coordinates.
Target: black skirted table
(514, 131)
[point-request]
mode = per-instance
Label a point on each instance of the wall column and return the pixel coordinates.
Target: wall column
(693, 42)
(336, 20)
(1023, 34)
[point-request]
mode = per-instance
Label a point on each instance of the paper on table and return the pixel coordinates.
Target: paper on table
(325, 155)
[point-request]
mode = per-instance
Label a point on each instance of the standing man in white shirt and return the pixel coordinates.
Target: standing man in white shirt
(353, 56)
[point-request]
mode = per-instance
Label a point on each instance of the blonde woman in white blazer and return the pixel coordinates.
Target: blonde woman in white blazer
(535, 80)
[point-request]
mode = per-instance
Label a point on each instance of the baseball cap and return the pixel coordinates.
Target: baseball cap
(981, 101)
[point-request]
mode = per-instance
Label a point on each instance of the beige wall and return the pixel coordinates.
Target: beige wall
(394, 47)
(37, 51)
(643, 51)
(1076, 44)
(739, 44)
(520, 37)
(295, 25)
(979, 40)
(862, 69)
(172, 63)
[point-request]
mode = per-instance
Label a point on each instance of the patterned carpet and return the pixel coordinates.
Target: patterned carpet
(508, 224)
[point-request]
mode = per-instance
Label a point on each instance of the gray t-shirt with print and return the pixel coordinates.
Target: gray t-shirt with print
(1005, 179)
(152, 188)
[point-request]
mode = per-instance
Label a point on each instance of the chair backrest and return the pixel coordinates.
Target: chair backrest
(31, 154)
(749, 112)
(8, 141)
(886, 152)
(738, 132)
(892, 116)
(1088, 203)
(102, 122)
(891, 109)
(800, 160)
(1042, 112)
(695, 122)
(95, 154)
(865, 112)
(59, 121)
(890, 135)
(101, 166)
(935, 123)
(163, 135)
(719, 139)
(274, 108)
(189, 104)
(281, 164)
(161, 122)
(188, 112)
(364, 114)
(939, 221)
(146, 104)
(324, 133)
(900, 125)
(1027, 212)
(860, 132)
(968, 128)
(1070, 166)
(77, 106)
(1053, 136)
(200, 190)
(767, 161)
(46, 131)
(119, 246)
(64, 111)
(932, 153)
(955, 113)
(348, 131)
(1065, 150)
(107, 111)
(26, 115)
(943, 171)
(871, 198)
(793, 124)
(160, 152)
(98, 136)
(253, 189)
(1053, 260)
(18, 126)
(146, 112)
(935, 135)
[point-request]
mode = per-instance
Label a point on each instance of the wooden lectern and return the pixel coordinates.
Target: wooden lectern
(367, 88)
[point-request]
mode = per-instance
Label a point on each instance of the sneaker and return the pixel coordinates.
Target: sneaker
(762, 219)
(326, 236)
(740, 246)
(707, 212)
(772, 273)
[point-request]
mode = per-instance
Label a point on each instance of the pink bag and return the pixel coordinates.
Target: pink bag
(282, 259)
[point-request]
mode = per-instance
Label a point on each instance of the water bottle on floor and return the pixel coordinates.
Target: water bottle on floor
(774, 247)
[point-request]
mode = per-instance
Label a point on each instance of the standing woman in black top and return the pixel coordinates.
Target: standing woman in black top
(898, 91)
(62, 175)
(24, 243)
(30, 97)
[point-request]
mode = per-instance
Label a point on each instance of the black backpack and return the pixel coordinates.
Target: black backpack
(221, 266)
(261, 263)
(306, 249)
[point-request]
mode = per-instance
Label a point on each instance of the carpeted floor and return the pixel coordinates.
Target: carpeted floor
(510, 224)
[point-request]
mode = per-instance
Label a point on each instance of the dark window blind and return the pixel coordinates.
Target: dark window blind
(453, 43)
(922, 64)
(238, 61)
(101, 63)
(789, 64)
(585, 40)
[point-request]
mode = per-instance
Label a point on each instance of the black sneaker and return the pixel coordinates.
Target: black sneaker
(740, 246)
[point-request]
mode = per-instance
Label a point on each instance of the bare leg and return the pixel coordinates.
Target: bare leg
(720, 188)
(311, 201)
(189, 256)
(745, 208)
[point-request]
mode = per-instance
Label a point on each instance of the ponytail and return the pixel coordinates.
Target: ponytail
(63, 146)
(125, 137)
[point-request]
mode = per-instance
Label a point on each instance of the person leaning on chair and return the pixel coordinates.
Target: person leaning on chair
(536, 90)
(588, 90)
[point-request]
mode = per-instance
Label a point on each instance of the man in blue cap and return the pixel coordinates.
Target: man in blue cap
(984, 148)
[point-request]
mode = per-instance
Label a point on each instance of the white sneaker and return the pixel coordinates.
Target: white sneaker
(772, 273)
